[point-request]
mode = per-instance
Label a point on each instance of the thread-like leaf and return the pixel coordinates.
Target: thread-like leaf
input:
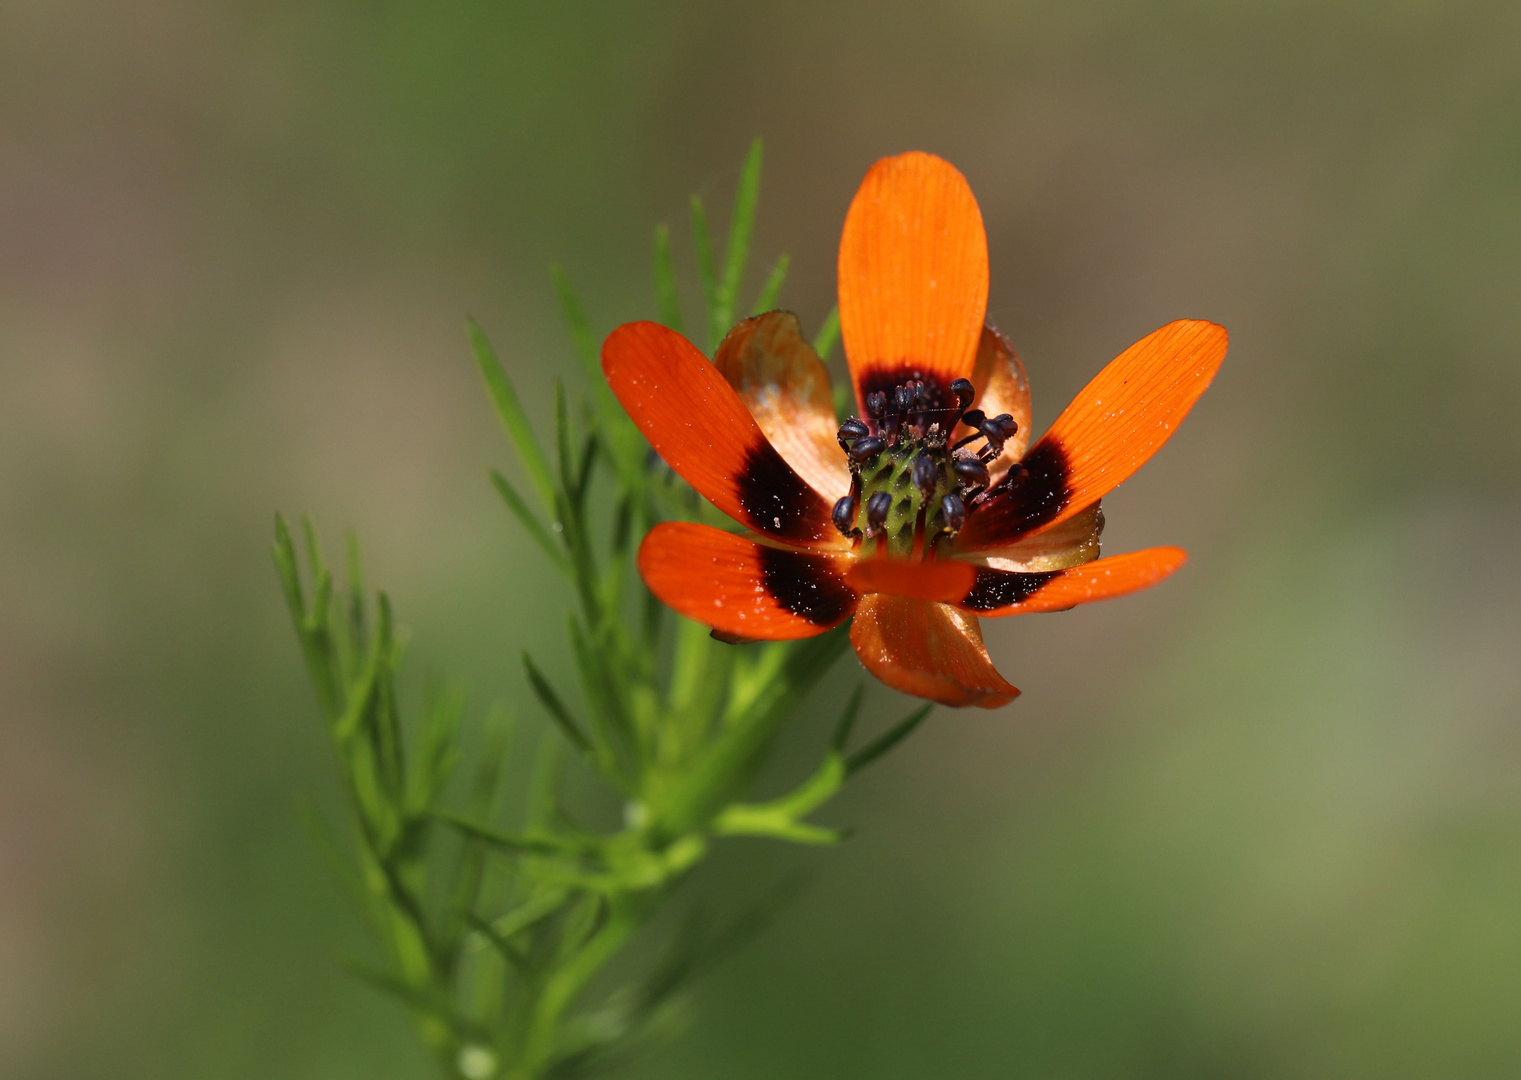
(509, 410)
(577, 323)
(530, 913)
(556, 708)
(564, 450)
(358, 620)
(847, 719)
(316, 641)
(886, 741)
(505, 949)
(766, 301)
(829, 333)
(437, 745)
(530, 521)
(667, 299)
(741, 225)
(530, 845)
(705, 272)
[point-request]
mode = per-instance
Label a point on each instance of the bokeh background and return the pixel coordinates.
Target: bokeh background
(1264, 821)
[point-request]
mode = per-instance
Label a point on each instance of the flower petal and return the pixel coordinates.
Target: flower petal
(742, 588)
(1001, 592)
(1002, 387)
(785, 386)
(913, 276)
(929, 650)
(698, 424)
(943, 579)
(1070, 543)
(1108, 432)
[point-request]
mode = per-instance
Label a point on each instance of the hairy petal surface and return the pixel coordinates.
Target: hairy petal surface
(929, 650)
(785, 386)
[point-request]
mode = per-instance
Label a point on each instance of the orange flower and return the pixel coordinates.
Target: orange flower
(926, 511)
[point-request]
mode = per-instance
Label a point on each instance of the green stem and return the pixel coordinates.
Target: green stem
(562, 987)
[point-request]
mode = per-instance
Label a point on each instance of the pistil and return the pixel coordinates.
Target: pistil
(910, 486)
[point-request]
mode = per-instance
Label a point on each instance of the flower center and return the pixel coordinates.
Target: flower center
(911, 487)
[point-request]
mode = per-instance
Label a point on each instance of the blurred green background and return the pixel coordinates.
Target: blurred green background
(1263, 821)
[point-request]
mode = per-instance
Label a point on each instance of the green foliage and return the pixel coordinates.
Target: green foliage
(494, 910)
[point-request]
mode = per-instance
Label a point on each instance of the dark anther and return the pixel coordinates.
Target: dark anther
(845, 514)
(973, 418)
(992, 430)
(926, 476)
(970, 470)
(865, 448)
(876, 404)
(964, 391)
(1006, 425)
(851, 430)
(955, 512)
(877, 508)
(904, 398)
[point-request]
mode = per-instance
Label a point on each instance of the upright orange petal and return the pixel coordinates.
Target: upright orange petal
(913, 276)
(1108, 432)
(929, 650)
(742, 588)
(1002, 387)
(785, 386)
(698, 424)
(1004, 592)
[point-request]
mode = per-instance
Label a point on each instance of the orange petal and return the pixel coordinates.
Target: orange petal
(929, 650)
(742, 588)
(913, 276)
(943, 579)
(1002, 387)
(785, 386)
(1108, 432)
(1002, 592)
(698, 424)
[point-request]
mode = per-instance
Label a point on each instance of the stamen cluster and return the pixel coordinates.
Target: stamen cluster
(910, 485)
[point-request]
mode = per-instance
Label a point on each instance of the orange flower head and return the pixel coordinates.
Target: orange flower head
(928, 508)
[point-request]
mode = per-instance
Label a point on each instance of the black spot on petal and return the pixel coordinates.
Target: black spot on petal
(1024, 501)
(779, 502)
(994, 589)
(806, 585)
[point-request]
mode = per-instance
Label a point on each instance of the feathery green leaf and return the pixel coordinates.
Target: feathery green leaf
(737, 251)
(886, 741)
(766, 301)
(829, 333)
(514, 420)
(668, 300)
(577, 323)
